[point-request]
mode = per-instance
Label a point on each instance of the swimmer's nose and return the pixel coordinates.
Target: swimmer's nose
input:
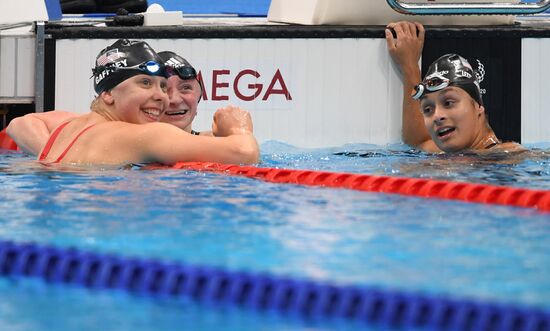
(174, 96)
(439, 116)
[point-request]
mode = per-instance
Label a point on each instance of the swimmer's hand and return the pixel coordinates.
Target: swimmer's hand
(231, 120)
(406, 47)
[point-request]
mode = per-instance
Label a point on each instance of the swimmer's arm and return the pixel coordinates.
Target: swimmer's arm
(206, 134)
(200, 133)
(406, 50)
(31, 132)
(164, 143)
(414, 132)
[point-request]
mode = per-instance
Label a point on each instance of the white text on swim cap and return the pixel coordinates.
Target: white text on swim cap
(462, 73)
(112, 68)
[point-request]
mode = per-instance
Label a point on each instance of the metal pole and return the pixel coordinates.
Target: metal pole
(462, 8)
(39, 67)
(4, 112)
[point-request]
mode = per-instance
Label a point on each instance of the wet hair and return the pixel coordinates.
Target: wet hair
(450, 70)
(125, 59)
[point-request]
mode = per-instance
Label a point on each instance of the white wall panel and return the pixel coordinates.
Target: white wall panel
(25, 67)
(343, 90)
(17, 58)
(8, 50)
(535, 96)
(73, 66)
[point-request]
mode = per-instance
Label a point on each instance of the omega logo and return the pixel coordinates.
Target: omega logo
(222, 82)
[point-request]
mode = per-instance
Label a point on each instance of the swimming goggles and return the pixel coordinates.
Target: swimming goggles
(150, 68)
(430, 85)
(184, 72)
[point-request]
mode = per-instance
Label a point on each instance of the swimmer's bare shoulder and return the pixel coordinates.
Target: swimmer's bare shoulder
(504, 153)
(508, 147)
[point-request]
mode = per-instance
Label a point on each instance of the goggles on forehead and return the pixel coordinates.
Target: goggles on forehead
(430, 85)
(149, 68)
(183, 72)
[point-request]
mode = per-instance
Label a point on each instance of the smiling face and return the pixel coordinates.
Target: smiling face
(184, 99)
(139, 99)
(454, 120)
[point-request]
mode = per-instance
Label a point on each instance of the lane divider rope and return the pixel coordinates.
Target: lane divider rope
(263, 292)
(419, 187)
(6, 142)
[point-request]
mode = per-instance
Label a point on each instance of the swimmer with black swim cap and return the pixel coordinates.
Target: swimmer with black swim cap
(124, 59)
(123, 126)
(184, 91)
(451, 105)
(183, 87)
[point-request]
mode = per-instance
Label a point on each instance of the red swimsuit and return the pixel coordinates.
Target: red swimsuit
(51, 141)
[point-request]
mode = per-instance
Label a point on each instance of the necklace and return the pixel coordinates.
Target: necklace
(491, 142)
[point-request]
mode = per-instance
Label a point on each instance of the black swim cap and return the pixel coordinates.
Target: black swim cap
(124, 59)
(177, 65)
(450, 70)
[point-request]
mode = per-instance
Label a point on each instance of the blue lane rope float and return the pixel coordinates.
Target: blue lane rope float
(304, 298)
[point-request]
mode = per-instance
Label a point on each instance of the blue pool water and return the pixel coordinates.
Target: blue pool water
(462, 250)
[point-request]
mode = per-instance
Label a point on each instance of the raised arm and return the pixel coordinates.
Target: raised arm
(406, 49)
(31, 132)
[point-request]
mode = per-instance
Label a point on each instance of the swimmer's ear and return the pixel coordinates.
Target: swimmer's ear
(480, 110)
(107, 97)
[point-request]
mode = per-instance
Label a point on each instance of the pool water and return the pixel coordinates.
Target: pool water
(529, 169)
(462, 250)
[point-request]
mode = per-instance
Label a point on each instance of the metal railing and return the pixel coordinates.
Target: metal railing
(40, 56)
(462, 8)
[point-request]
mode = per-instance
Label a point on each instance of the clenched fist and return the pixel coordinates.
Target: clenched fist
(231, 120)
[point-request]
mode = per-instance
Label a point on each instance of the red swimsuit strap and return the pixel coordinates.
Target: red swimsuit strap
(50, 142)
(54, 136)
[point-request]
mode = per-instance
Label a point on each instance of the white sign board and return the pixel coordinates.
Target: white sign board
(305, 92)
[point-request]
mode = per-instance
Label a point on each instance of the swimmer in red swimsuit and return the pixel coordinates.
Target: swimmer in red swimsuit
(184, 91)
(123, 127)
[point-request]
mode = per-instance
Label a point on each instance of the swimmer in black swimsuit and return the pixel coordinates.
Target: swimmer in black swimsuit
(445, 111)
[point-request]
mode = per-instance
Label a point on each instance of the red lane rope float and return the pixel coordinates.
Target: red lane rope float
(419, 187)
(427, 188)
(6, 142)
